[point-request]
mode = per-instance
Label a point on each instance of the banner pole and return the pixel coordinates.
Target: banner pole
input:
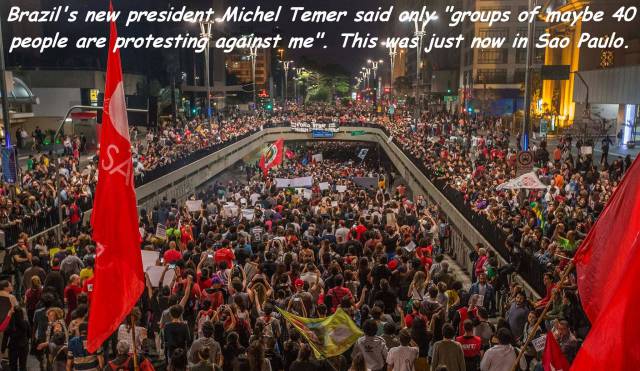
(536, 326)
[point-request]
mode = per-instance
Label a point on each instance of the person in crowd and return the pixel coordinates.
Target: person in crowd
(78, 358)
(403, 357)
(447, 352)
(502, 356)
(471, 347)
(372, 347)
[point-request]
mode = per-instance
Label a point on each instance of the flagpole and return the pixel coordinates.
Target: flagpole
(536, 326)
(135, 345)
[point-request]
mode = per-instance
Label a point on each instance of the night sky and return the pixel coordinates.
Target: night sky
(350, 59)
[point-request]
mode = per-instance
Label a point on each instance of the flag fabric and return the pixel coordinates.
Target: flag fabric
(328, 337)
(119, 279)
(290, 154)
(539, 214)
(608, 270)
(552, 358)
(271, 156)
(363, 153)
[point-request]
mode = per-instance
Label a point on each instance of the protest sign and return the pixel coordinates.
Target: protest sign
(155, 272)
(282, 182)
(149, 258)
(248, 214)
(161, 231)
(302, 182)
(410, 247)
(539, 343)
(194, 206)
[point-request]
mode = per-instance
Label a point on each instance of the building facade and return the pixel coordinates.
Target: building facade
(492, 80)
(609, 77)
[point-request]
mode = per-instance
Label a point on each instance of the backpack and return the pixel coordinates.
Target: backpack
(7, 262)
(268, 327)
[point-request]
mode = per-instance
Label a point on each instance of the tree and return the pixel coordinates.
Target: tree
(402, 85)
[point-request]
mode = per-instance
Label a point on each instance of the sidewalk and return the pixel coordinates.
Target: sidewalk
(615, 150)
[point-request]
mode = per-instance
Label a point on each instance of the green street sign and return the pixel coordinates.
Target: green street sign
(357, 132)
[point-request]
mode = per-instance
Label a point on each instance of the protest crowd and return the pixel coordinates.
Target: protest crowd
(224, 277)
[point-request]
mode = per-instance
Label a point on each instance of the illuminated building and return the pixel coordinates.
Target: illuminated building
(611, 74)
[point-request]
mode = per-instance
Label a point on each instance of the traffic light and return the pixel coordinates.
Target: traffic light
(448, 91)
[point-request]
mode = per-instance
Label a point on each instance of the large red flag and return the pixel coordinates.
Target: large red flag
(552, 358)
(271, 156)
(119, 279)
(608, 269)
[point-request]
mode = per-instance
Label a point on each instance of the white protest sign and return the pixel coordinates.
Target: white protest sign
(155, 273)
(539, 343)
(302, 182)
(161, 231)
(341, 188)
(410, 247)
(230, 210)
(282, 182)
(317, 157)
(248, 214)
(194, 206)
(149, 259)
(307, 193)
(334, 203)
(324, 186)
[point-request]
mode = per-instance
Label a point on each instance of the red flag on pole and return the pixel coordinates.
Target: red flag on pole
(119, 279)
(608, 270)
(552, 358)
(272, 156)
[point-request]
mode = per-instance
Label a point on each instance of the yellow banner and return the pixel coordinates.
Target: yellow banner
(328, 337)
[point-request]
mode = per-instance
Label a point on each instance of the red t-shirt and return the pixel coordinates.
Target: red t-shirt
(471, 345)
(204, 284)
(224, 255)
(87, 287)
(171, 256)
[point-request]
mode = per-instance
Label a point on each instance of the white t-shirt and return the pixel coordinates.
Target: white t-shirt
(402, 358)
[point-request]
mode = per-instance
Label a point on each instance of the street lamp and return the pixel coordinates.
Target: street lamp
(420, 32)
(253, 53)
(285, 65)
(374, 67)
(392, 61)
(298, 71)
(205, 33)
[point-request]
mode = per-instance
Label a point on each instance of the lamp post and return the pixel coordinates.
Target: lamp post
(374, 67)
(420, 32)
(298, 71)
(205, 33)
(253, 53)
(526, 123)
(285, 65)
(392, 63)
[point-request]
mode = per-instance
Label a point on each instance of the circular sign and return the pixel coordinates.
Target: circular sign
(525, 158)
